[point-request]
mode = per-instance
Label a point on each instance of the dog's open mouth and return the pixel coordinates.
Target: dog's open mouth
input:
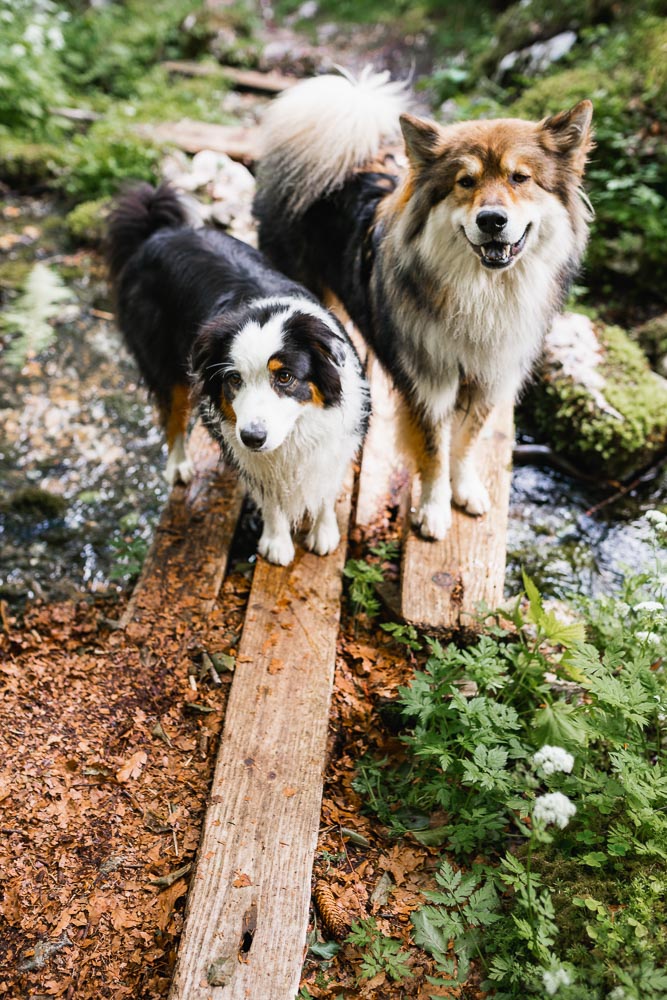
(496, 255)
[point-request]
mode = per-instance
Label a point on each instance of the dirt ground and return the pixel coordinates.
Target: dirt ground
(108, 743)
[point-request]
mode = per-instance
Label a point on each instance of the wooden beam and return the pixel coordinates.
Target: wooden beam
(186, 564)
(236, 141)
(383, 469)
(443, 582)
(247, 914)
(242, 79)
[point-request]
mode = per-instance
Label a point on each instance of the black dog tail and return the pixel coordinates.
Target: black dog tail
(139, 213)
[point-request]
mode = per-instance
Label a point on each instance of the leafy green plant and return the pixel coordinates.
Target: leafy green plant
(363, 576)
(379, 953)
(539, 754)
(129, 547)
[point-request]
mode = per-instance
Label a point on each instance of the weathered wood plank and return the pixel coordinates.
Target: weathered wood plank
(236, 141)
(247, 912)
(383, 469)
(271, 82)
(442, 582)
(188, 558)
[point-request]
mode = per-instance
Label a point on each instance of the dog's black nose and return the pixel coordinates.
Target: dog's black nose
(491, 220)
(253, 436)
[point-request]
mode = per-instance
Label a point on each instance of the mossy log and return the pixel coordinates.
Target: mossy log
(597, 400)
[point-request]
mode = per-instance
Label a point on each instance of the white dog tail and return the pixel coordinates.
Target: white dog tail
(317, 132)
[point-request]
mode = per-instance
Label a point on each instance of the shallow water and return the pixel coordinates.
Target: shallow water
(80, 457)
(81, 460)
(566, 549)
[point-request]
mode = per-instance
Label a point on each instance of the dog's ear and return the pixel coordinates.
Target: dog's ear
(421, 139)
(210, 352)
(569, 133)
(325, 350)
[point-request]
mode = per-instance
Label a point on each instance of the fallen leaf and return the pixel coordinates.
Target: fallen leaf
(133, 767)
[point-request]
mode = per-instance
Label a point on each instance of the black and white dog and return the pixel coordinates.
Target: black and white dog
(277, 380)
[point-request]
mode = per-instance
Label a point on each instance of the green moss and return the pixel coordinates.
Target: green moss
(630, 920)
(86, 223)
(625, 75)
(23, 164)
(97, 163)
(34, 502)
(13, 273)
(566, 413)
(652, 337)
(562, 90)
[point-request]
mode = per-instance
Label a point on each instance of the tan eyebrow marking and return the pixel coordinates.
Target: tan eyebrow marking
(469, 165)
(275, 365)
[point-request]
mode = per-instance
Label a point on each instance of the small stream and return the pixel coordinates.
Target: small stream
(80, 457)
(81, 460)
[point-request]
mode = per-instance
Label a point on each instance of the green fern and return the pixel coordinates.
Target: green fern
(32, 315)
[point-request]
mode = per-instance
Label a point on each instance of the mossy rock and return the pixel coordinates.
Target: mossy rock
(34, 503)
(87, 222)
(25, 164)
(537, 20)
(597, 400)
(568, 87)
(651, 337)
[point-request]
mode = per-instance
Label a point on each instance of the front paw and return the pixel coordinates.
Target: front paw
(179, 471)
(471, 494)
(433, 520)
(323, 537)
(278, 549)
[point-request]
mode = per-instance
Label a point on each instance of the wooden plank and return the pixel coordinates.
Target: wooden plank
(247, 913)
(443, 582)
(383, 469)
(188, 558)
(243, 79)
(236, 141)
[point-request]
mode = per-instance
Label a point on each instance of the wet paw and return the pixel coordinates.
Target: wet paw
(433, 520)
(278, 549)
(178, 471)
(471, 494)
(323, 537)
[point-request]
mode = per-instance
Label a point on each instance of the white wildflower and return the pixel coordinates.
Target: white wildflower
(656, 517)
(18, 50)
(55, 37)
(650, 637)
(34, 35)
(618, 993)
(553, 979)
(552, 759)
(649, 606)
(554, 807)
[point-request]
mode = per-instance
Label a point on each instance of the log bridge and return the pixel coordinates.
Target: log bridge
(249, 897)
(248, 904)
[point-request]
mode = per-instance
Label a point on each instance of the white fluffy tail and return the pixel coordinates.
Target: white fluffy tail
(316, 133)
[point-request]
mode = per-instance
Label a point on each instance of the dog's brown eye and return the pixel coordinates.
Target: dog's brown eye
(233, 379)
(466, 182)
(519, 178)
(284, 377)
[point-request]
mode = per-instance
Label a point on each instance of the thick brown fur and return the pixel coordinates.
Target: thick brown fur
(451, 262)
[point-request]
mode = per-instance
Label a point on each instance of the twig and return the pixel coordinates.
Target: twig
(173, 830)
(645, 477)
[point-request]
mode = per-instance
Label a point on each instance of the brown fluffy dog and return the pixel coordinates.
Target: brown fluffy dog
(451, 262)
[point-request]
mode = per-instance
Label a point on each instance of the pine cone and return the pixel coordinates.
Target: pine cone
(332, 918)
